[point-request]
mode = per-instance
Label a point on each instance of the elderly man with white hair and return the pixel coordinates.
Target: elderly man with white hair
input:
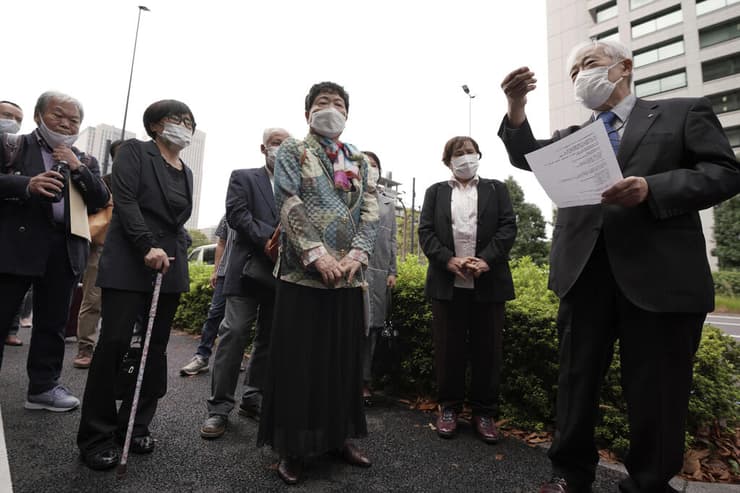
(47, 188)
(252, 215)
(632, 268)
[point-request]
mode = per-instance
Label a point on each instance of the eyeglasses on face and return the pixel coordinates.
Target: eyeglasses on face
(179, 119)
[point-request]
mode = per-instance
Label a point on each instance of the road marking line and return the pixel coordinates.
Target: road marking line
(718, 317)
(6, 485)
(724, 323)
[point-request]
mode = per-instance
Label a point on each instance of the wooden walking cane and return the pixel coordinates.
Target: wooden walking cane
(122, 467)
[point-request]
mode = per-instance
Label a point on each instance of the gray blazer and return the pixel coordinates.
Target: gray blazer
(383, 259)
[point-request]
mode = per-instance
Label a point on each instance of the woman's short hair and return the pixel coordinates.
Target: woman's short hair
(326, 88)
(455, 143)
(166, 107)
(374, 156)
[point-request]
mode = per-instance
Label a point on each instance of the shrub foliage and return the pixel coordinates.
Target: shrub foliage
(529, 375)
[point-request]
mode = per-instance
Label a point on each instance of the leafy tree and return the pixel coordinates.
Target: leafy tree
(199, 239)
(530, 237)
(727, 233)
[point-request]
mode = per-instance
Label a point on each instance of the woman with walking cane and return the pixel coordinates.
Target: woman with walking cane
(153, 190)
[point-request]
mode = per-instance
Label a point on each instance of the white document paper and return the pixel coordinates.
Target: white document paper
(576, 169)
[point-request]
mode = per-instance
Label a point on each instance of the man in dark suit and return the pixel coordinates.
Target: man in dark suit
(632, 268)
(47, 189)
(252, 214)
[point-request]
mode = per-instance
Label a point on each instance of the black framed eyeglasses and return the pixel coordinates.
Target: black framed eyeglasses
(177, 119)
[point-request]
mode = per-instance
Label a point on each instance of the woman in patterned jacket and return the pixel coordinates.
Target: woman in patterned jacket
(329, 214)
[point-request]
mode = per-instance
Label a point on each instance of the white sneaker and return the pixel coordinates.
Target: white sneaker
(197, 365)
(56, 400)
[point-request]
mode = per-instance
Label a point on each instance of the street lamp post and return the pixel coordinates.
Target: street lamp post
(466, 90)
(131, 75)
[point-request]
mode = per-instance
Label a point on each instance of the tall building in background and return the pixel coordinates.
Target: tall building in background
(681, 48)
(95, 141)
(193, 156)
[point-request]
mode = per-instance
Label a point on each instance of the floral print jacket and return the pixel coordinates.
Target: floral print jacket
(318, 218)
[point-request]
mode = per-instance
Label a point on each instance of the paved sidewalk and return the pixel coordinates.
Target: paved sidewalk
(407, 455)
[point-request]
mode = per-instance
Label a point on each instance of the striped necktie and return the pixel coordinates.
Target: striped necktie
(609, 118)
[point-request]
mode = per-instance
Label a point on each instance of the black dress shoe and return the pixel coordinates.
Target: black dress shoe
(555, 485)
(289, 470)
(142, 445)
(354, 456)
(102, 460)
(214, 426)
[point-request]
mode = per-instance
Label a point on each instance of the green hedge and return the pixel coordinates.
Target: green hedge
(529, 375)
(194, 304)
(727, 282)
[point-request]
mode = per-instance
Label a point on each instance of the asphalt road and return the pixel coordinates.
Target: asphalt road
(407, 455)
(728, 322)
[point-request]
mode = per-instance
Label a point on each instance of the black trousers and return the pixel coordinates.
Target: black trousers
(463, 330)
(51, 299)
(656, 351)
(101, 423)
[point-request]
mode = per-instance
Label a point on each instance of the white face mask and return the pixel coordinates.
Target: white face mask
(373, 174)
(177, 135)
(328, 122)
(464, 167)
(271, 155)
(592, 86)
(9, 126)
(55, 139)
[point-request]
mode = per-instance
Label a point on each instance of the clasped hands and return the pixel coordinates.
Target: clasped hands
(333, 271)
(462, 267)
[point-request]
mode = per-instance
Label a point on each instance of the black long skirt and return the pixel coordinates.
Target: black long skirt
(312, 401)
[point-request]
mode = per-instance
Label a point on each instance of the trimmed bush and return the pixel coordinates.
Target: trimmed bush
(530, 369)
(194, 304)
(727, 282)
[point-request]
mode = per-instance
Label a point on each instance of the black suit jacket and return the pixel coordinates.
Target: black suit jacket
(656, 250)
(494, 239)
(143, 219)
(26, 221)
(251, 212)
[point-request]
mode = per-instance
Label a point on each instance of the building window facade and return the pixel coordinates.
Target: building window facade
(720, 67)
(635, 4)
(662, 83)
(611, 34)
(657, 53)
(604, 12)
(654, 23)
(706, 6)
(725, 102)
(719, 33)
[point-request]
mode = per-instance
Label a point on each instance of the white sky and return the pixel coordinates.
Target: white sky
(245, 66)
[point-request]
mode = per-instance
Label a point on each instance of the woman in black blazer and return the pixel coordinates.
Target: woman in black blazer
(466, 230)
(152, 190)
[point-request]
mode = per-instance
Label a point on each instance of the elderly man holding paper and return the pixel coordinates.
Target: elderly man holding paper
(631, 268)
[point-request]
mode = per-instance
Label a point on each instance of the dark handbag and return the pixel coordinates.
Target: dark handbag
(258, 270)
(387, 357)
